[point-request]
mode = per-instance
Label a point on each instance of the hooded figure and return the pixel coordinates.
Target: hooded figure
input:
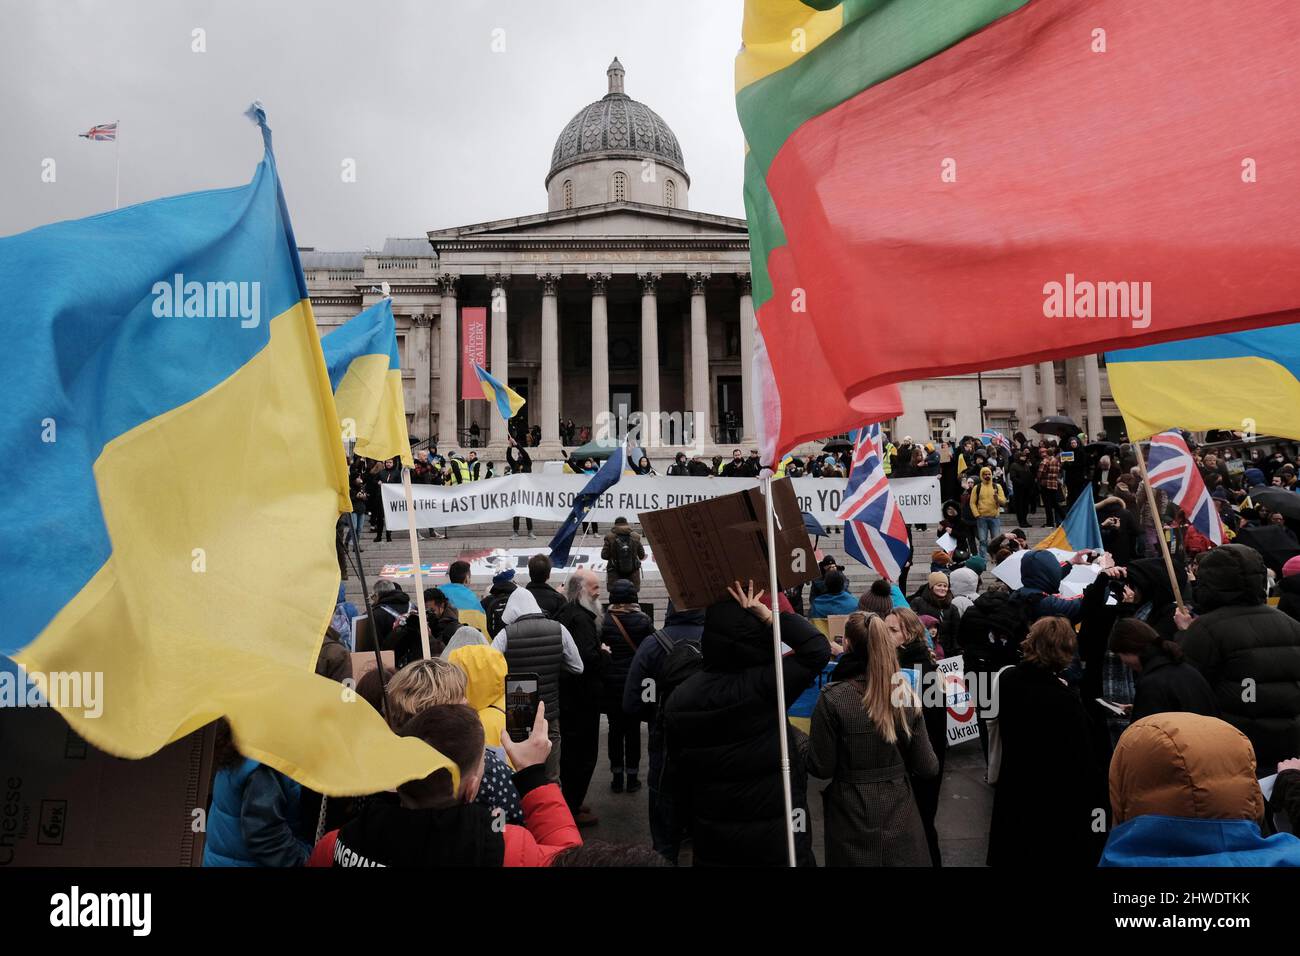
(965, 585)
(1150, 581)
(1238, 636)
(1183, 793)
(1040, 576)
(723, 745)
(533, 643)
(485, 686)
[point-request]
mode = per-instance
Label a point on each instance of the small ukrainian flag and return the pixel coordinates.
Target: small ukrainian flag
(507, 400)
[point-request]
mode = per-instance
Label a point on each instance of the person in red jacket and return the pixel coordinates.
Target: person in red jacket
(431, 825)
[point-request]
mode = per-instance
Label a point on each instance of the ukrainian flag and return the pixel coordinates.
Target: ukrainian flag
(366, 375)
(1080, 530)
(173, 475)
(1243, 381)
(507, 400)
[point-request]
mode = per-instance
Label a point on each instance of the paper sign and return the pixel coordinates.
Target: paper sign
(962, 725)
(947, 542)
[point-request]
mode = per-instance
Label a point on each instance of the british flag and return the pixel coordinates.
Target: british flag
(874, 531)
(1172, 469)
(103, 133)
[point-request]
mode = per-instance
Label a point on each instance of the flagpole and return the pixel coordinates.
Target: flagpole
(1160, 530)
(117, 162)
(780, 673)
(415, 559)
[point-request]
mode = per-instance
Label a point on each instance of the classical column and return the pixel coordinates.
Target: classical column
(700, 357)
(600, 355)
(500, 366)
(1028, 398)
(550, 406)
(1092, 389)
(748, 329)
(1047, 371)
(417, 353)
(449, 357)
(649, 360)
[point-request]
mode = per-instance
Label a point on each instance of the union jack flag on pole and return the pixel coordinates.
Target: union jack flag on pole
(994, 437)
(103, 133)
(874, 531)
(1172, 469)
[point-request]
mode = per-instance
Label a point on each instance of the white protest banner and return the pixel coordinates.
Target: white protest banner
(544, 497)
(957, 699)
(499, 559)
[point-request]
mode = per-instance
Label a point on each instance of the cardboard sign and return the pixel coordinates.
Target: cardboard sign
(704, 547)
(835, 626)
(364, 662)
(68, 804)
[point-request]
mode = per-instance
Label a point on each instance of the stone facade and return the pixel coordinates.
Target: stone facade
(621, 299)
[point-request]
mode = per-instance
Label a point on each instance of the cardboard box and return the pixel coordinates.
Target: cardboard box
(363, 662)
(702, 548)
(68, 804)
(835, 626)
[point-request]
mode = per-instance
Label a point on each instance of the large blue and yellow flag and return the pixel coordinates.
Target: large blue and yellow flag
(1080, 531)
(1242, 381)
(366, 375)
(505, 398)
(173, 476)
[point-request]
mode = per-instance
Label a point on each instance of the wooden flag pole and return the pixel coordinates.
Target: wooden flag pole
(415, 559)
(777, 662)
(1160, 529)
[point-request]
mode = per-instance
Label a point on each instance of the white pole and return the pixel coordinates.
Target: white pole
(117, 160)
(415, 559)
(780, 674)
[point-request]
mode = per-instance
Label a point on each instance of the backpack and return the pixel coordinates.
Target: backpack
(625, 560)
(681, 660)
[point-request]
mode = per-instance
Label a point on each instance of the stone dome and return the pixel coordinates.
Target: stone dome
(616, 126)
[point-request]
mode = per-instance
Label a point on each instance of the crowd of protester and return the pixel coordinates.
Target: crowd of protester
(1127, 725)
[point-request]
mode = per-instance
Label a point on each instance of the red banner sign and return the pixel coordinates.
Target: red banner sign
(473, 349)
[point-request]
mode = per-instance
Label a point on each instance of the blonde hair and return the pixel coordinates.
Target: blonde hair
(422, 684)
(869, 637)
(913, 629)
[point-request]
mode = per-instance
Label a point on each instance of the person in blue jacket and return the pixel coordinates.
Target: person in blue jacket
(836, 599)
(253, 820)
(1041, 575)
(1183, 793)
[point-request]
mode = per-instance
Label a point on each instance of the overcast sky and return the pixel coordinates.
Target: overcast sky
(443, 130)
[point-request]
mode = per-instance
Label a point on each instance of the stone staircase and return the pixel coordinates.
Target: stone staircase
(469, 540)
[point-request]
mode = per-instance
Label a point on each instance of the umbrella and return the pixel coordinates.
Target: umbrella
(812, 525)
(1277, 499)
(838, 444)
(1062, 426)
(1099, 448)
(1275, 544)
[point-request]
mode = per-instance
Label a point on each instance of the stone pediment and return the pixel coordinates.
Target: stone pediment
(612, 220)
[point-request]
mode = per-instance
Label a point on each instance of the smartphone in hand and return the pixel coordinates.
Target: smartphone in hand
(522, 694)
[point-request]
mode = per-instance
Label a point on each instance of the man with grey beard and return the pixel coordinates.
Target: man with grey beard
(580, 693)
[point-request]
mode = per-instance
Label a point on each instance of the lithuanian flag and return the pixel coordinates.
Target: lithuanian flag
(173, 476)
(941, 186)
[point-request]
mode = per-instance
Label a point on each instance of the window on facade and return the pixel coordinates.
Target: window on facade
(670, 193)
(620, 187)
(941, 424)
(401, 350)
(568, 194)
(999, 421)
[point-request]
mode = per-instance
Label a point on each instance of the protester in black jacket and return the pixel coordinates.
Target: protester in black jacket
(390, 605)
(642, 693)
(622, 630)
(1119, 529)
(1289, 588)
(914, 655)
(580, 693)
(1051, 786)
(494, 602)
(722, 736)
(1248, 651)
(1165, 682)
(521, 463)
(549, 600)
